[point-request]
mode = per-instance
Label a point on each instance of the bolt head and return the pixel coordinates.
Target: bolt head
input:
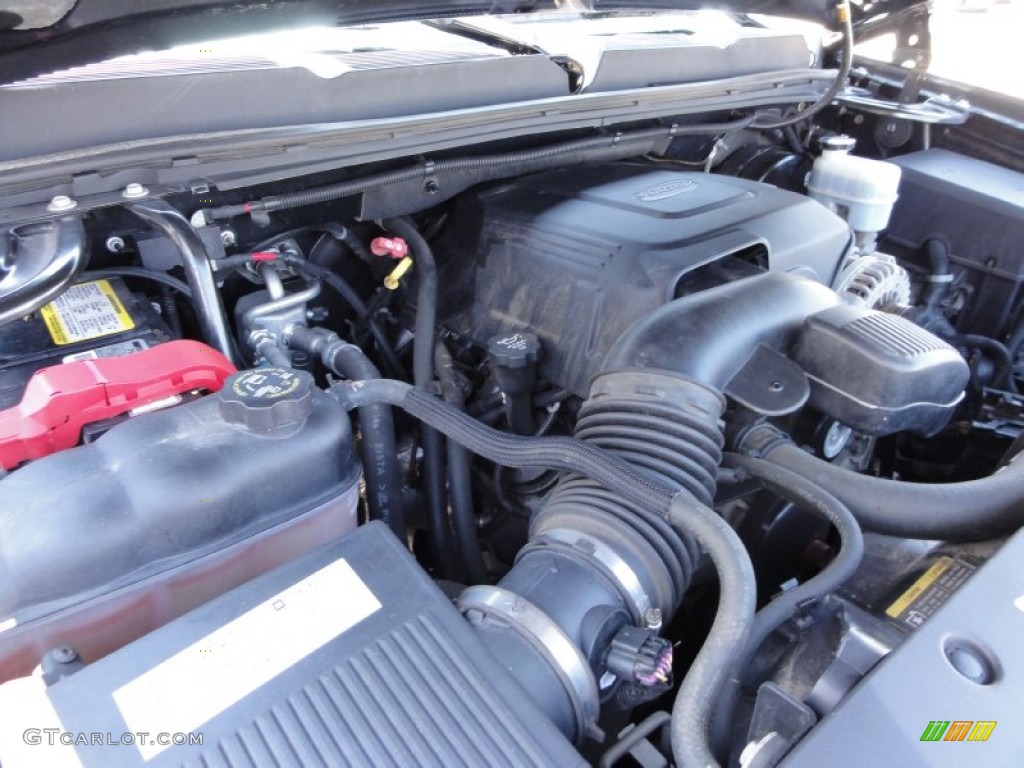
(652, 618)
(61, 203)
(115, 244)
(64, 654)
(134, 190)
(227, 237)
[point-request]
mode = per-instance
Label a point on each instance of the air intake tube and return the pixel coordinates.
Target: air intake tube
(600, 574)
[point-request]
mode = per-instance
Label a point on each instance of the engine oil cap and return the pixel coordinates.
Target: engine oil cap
(267, 399)
(514, 350)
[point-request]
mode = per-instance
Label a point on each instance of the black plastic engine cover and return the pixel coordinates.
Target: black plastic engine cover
(880, 373)
(577, 256)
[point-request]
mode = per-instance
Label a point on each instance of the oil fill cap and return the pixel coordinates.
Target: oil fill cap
(267, 399)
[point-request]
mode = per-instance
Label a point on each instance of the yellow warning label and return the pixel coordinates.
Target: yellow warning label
(927, 578)
(86, 311)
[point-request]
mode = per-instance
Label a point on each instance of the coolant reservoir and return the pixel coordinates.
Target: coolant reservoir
(859, 189)
(102, 543)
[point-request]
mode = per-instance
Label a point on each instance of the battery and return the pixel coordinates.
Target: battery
(95, 318)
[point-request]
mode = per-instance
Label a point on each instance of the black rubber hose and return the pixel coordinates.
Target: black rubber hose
(377, 425)
(460, 484)
(975, 510)
(995, 349)
(939, 278)
(143, 274)
(423, 376)
(640, 732)
(348, 237)
(288, 234)
(1015, 345)
(273, 354)
(1016, 447)
(426, 300)
(562, 453)
(348, 293)
(937, 283)
(442, 543)
(169, 310)
(327, 251)
(729, 637)
(845, 65)
(807, 496)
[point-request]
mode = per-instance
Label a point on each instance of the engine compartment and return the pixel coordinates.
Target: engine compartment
(602, 404)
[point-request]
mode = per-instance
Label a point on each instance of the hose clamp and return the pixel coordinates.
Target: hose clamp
(610, 562)
(760, 440)
(547, 638)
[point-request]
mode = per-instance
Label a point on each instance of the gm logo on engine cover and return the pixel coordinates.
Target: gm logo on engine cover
(665, 190)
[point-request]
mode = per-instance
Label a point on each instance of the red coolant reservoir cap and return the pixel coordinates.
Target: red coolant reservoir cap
(62, 399)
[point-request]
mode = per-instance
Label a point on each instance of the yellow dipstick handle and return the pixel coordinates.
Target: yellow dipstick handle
(391, 281)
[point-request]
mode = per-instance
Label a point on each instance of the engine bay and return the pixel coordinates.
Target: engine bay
(506, 478)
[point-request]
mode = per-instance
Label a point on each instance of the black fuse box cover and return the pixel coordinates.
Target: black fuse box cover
(350, 655)
(103, 319)
(978, 208)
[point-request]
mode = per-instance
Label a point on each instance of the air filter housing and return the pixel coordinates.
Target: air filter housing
(349, 655)
(880, 373)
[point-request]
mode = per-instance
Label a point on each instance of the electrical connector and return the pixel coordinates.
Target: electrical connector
(639, 656)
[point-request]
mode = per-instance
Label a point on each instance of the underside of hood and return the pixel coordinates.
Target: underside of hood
(40, 36)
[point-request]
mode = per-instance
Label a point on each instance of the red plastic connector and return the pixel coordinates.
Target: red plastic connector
(60, 400)
(394, 247)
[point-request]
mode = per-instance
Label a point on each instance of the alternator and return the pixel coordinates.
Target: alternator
(875, 281)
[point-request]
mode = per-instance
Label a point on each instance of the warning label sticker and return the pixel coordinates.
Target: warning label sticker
(86, 311)
(926, 595)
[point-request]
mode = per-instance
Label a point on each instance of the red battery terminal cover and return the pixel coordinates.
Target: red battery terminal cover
(62, 399)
